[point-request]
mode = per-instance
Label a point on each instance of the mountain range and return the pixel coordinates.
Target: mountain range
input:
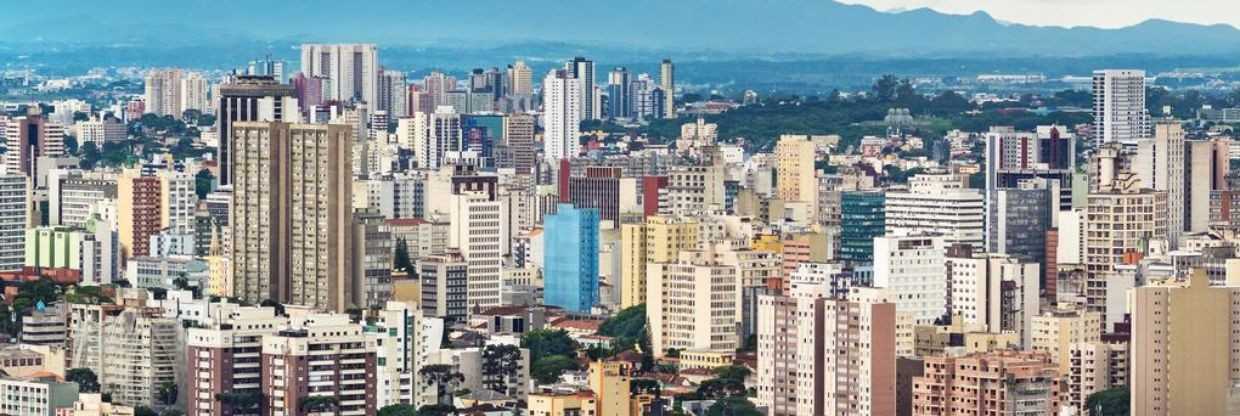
(752, 28)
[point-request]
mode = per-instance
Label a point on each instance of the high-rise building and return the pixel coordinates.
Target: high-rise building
(1019, 217)
(14, 220)
(570, 271)
(372, 259)
(178, 201)
(519, 140)
(603, 188)
(267, 66)
(1184, 337)
(250, 98)
(477, 219)
(618, 105)
(163, 92)
(1120, 114)
(133, 351)
(1094, 367)
(224, 356)
(795, 180)
(582, 70)
(291, 216)
(667, 82)
(863, 217)
(194, 94)
(432, 136)
(657, 240)
(298, 350)
(992, 292)
(27, 139)
(445, 286)
(693, 302)
(393, 94)
(563, 112)
(1120, 225)
(911, 269)
(1055, 332)
(819, 355)
(1013, 157)
(521, 79)
(353, 70)
(1003, 382)
(139, 212)
(940, 204)
(1159, 164)
(1206, 168)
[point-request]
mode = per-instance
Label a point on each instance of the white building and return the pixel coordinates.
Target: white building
(693, 303)
(476, 232)
(194, 93)
(431, 136)
(100, 131)
(562, 115)
(1159, 165)
(36, 396)
(995, 292)
(911, 269)
(940, 204)
(1119, 106)
(352, 69)
(14, 211)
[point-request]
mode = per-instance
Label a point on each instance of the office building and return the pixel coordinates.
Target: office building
(521, 79)
(1018, 219)
(1159, 164)
(36, 395)
(862, 218)
(993, 292)
(29, 138)
(939, 204)
(291, 214)
(267, 66)
(352, 69)
(618, 105)
(1014, 157)
(519, 139)
(1120, 114)
(476, 217)
(250, 98)
(445, 286)
(570, 271)
(432, 136)
(371, 281)
(582, 70)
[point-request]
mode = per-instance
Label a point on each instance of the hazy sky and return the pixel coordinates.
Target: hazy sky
(1100, 13)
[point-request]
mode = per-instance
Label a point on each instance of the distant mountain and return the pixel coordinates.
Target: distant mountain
(728, 27)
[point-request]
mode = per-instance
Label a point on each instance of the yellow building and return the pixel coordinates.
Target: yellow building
(934, 340)
(1054, 333)
(708, 359)
(767, 242)
(1184, 360)
(610, 383)
(794, 172)
(658, 240)
(562, 404)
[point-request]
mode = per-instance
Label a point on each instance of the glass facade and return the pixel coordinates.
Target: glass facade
(570, 263)
(863, 216)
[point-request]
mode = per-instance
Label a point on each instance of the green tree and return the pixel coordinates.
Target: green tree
(625, 328)
(547, 342)
(204, 182)
(437, 410)
(398, 410)
(885, 88)
(733, 406)
(547, 370)
(1110, 402)
(167, 393)
(445, 378)
(144, 411)
(500, 363)
(86, 379)
(402, 260)
(88, 154)
(319, 404)
(241, 403)
(71, 144)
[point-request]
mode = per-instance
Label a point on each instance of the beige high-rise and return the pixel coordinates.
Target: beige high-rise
(658, 240)
(1184, 343)
(795, 172)
(291, 213)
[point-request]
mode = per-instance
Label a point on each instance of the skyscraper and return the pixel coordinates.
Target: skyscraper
(28, 138)
(583, 71)
(562, 116)
(795, 171)
(667, 82)
(519, 139)
(521, 80)
(431, 136)
(250, 98)
(863, 217)
(1119, 106)
(1160, 166)
(352, 68)
(163, 92)
(267, 66)
(291, 217)
(618, 105)
(393, 94)
(570, 274)
(14, 220)
(476, 230)
(194, 90)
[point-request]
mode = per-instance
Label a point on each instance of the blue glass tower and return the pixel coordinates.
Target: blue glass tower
(863, 216)
(570, 259)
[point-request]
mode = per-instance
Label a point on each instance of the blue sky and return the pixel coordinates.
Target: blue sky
(1100, 13)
